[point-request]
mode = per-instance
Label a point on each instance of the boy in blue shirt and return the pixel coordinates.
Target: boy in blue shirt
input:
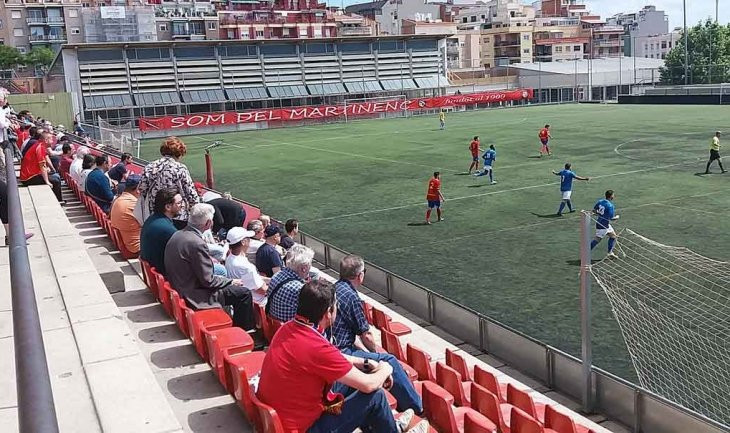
(605, 213)
(566, 186)
(489, 157)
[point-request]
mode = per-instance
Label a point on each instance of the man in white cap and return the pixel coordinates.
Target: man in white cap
(238, 266)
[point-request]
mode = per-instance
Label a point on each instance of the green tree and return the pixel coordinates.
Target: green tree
(709, 56)
(9, 57)
(40, 57)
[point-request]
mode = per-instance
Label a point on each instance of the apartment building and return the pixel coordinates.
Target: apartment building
(558, 39)
(605, 40)
(643, 30)
(507, 37)
(49, 23)
(389, 14)
(119, 23)
(462, 46)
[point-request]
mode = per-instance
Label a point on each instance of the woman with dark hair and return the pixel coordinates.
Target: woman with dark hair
(168, 172)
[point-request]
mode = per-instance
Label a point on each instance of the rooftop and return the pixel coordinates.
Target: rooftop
(613, 64)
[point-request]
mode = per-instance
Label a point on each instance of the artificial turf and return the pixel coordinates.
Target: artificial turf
(361, 186)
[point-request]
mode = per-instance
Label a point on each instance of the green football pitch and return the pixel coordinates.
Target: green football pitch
(501, 250)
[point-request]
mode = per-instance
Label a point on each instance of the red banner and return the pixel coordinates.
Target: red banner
(325, 111)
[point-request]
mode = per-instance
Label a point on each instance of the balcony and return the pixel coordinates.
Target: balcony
(513, 43)
(452, 50)
(608, 42)
(37, 21)
(47, 38)
(354, 31)
(55, 21)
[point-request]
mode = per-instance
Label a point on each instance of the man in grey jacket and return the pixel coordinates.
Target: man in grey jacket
(189, 269)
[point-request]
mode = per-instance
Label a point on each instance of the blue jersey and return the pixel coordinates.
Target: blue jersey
(566, 180)
(489, 157)
(604, 209)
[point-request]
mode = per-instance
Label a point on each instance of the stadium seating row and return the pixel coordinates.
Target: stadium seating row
(456, 398)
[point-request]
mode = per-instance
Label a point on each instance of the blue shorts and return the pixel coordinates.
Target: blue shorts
(434, 204)
(544, 142)
(475, 158)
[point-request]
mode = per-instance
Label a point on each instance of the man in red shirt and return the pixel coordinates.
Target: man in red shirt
(314, 387)
(474, 149)
(434, 197)
(545, 137)
(66, 159)
(34, 168)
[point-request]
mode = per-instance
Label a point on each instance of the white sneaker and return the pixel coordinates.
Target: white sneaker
(611, 255)
(405, 420)
(494, 182)
(421, 427)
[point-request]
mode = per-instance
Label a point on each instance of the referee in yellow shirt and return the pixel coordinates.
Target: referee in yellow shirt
(715, 152)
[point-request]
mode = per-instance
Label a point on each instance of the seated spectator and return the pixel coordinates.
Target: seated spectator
(351, 323)
(78, 129)
(122, 214)
(190, 271)
(218, 253)
(119, 172)
(292, 229)
(268, 260)
(314, 387)
(34, 134)
(75, 169)
(66, 159)
(88, 164)
(98, 186)
(285, 285)
(228, 214)
(256, 241)
(35, 167)
(159, 228)
(238, 265)
(265, 220)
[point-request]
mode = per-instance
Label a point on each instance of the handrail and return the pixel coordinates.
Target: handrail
(36, 411)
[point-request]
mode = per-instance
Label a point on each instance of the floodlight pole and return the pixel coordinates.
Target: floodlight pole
(585, 311)
(686, 44)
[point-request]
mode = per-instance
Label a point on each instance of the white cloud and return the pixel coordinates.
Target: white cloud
(696, 9)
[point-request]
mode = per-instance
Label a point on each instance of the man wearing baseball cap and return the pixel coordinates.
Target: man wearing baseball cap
(238, 266)
(268, 260)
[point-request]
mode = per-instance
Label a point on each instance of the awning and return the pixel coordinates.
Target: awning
(363, 86)
(287, 91)
(203, 96)
(433, 82)
(101, 102)
(404, 84)
(326, 89)
(246, 93)
(156, 99)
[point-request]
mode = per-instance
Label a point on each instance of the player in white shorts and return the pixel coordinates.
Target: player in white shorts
(605, 213)
(566, 186)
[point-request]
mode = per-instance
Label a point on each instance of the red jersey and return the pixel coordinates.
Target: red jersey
(544, 134)
(299, 367)
(434, 186)
(474, 147)
(34, 161)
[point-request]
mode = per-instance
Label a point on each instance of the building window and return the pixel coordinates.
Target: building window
(526, 37)
(664, 45)
(211, 25)
(75, 30)
(576, 48)
(17, 32)
(73, 13)
(558, 49)
(526, 51)
(670, 44)
(664, 55)
(259, 33)
(473, 18)
(22, 50)
(15, 15)
(163, 27)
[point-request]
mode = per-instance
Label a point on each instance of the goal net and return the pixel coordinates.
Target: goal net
(673, 308)
(118, 137)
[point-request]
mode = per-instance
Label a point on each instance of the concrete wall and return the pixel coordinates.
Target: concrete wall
(55, 107)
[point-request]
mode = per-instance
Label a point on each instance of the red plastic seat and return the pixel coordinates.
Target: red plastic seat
(383, 321)
(487, 404)
(165, 298)
(267, 327)
(122, 248)
(447, 419)
(270, 422)
(368, 309)
(227, 340)
(523, 401)
(451, 381)
(208, 319)
(458, 363)
(474, 424)
(242, 391)
(179, 308)
(392, 345)
(421, 362)
(150, 271)
(522, 423)
(556, 422)
(488, 380)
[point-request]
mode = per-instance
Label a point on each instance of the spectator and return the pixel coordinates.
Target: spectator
(351, 322)
(75, 169)
(66, 159)
(238, 266)
(35, 168)
(122, 215)
(218, 253)
(78, 129)
(34, 134)
(285, 285)
(98, 186)
(158, 228)
(268, 260)
(292, 229)
(228, 214)
(87, 165)
(256, 241)
(265, 220)
(190, 271)
(302, 369)
(168, 172)
(119, 172)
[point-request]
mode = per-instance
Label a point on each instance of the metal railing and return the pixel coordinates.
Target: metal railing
(36, 411)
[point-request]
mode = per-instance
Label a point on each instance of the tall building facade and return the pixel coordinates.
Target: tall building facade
(50, 23)
(642, 29)
(119, 24)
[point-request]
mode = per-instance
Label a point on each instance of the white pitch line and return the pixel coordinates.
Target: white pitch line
(522, 188)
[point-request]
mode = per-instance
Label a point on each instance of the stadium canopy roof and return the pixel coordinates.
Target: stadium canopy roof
(398, 84)
(363, 86)
(246, 93)
(103, 102)
(154, 99)
(326, 89)
(569, 67)
(287, 91)
(203, 96)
